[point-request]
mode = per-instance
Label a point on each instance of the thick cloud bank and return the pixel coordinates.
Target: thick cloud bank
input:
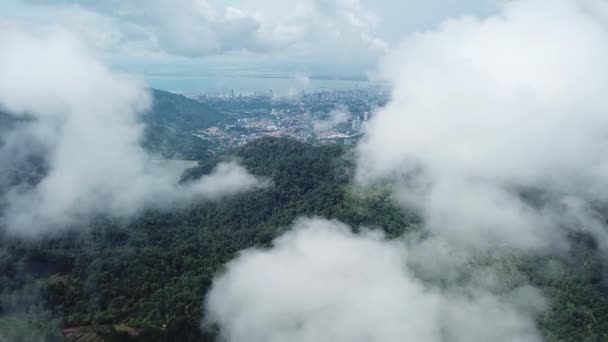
(195, 28)
(497, 126)
(320, 282)
(82, 118)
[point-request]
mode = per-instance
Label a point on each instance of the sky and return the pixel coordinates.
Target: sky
(329, 37)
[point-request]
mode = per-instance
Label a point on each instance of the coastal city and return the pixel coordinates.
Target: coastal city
(317, 117)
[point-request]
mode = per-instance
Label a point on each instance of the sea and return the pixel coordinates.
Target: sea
(279, 85)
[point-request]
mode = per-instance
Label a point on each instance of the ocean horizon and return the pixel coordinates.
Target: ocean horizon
(247, 84)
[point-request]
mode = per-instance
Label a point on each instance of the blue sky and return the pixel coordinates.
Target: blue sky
(189, 36)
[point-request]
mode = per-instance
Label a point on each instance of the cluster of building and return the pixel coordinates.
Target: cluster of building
(309, 117)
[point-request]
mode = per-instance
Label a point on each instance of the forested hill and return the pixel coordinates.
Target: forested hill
(169, 110)
(156, 271)
(147, 281)
(180, 113)
(5, 119)
(6, 122)
(168, 133)
(170, 124)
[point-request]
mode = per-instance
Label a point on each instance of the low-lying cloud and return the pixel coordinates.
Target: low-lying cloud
(321, 282)
(334, 118)
(496, 130)
(83, 119)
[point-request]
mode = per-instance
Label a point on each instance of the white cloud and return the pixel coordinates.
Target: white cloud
(335, 117)
(196, 28)
(487, 111)
(85, 122)
(227, 178)
(320, 282)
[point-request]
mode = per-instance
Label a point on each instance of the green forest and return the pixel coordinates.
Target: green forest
(170, 124)
(147, 280)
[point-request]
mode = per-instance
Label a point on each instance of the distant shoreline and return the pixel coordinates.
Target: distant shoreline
(262, 76)
(281, 84)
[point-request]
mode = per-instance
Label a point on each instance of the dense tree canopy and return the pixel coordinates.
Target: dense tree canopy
(152, 274)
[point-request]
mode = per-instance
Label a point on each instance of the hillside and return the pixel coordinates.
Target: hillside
(168, 126)
(168, 134)
(171, 122)
(6, 123)
(5, 120)
(180, 113)
(157, 271)
(152, 276)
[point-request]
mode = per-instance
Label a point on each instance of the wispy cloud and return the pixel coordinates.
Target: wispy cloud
(496, 124)
(83, 121)
(335, 117)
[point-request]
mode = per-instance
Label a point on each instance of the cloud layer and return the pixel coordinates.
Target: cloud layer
(82, 120)
(320, 282)
(197, 28)
(496, 130)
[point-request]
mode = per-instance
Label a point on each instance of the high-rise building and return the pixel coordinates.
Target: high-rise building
(356, 124)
